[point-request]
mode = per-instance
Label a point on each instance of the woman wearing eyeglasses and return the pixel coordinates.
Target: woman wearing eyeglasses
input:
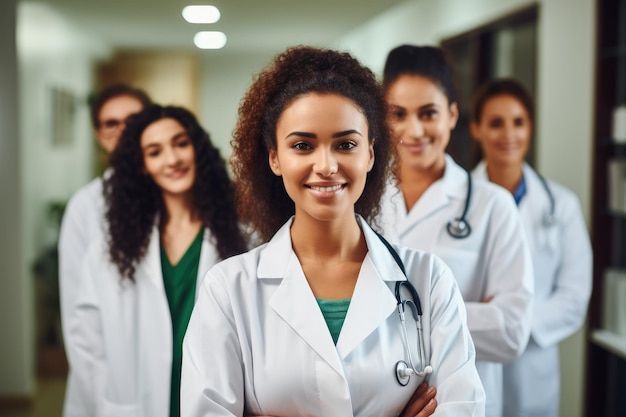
(83, 220)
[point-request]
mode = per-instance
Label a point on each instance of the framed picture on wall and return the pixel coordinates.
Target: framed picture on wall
(63, 111)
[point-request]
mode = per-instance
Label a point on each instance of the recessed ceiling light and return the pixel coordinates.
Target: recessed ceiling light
(209, 40)
(201, 14)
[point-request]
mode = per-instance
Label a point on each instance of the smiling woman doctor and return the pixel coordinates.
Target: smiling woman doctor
(307, 324)
(473, 226)
(502, 121)
(170, 217)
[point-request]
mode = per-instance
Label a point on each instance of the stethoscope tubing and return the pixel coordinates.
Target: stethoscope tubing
(460, 228)
(405, 370)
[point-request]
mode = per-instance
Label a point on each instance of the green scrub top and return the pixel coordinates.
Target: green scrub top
(180, 288)
(334, 312)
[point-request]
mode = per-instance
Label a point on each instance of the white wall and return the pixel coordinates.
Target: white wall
(565, 105)
(566, 38)
(50, 53)
(225, 79)
(421, 22)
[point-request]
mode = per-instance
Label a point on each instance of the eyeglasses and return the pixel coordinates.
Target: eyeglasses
(112, 125)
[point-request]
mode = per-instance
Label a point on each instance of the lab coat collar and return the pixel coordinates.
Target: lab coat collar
(454, 180)
(452, 186)
(107, 173)
(534, 188)
(208, 257)
(372, 301)
(378, 254)
(277, 249)
(280, 246)
(480, 171)
(151, 265)
(293, 300)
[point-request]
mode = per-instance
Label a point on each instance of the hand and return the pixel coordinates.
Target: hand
(422, 403)
(488, 299)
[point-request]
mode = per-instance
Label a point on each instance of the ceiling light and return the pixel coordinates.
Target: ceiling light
(201, 14)
(209, 40)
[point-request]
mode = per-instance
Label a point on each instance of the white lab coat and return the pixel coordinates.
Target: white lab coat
(120, 335)
(83, 222)
(257, 342)
(493, 261)
(562, 260)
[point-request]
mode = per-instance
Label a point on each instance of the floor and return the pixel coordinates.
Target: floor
(48, 401)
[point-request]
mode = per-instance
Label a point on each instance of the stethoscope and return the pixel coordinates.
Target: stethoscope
(459, 227)
(406, 368)
(549, 219)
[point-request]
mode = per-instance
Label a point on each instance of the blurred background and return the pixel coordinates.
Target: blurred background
(54, 54)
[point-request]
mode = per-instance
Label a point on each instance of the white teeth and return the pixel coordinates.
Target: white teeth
(326, 189)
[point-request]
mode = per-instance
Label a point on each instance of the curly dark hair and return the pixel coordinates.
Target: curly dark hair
(134, 201)
(261, 197)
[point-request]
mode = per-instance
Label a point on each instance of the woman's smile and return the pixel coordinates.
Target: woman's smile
(325, 191)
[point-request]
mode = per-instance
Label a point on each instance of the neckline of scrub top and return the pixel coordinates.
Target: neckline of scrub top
(334, 312)
(520, 191)
(179, 282)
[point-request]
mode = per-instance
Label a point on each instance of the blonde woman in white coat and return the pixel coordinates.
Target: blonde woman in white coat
(83, 220)
(486, 250)
(307, 324)
(502, 121)
(170, 217)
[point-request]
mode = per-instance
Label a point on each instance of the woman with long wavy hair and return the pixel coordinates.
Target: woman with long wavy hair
(170, 217)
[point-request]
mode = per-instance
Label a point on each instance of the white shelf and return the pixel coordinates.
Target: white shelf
(614, 343)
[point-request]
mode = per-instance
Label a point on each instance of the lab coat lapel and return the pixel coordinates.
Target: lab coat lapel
(294, 301)
(372, 301)
(151, 306)
(534, 207)
(151, 266)
(480, 171)
(208, 258)
(535, 193)
(436, 197)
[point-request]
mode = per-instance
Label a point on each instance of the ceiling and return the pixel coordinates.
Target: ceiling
(251, 26)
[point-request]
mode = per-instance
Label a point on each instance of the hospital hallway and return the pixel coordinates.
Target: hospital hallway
(47, 401)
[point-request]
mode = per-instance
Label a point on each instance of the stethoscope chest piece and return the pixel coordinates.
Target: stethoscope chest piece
(459, 228)
(402, 375)
(548, 220)
(404, 370)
